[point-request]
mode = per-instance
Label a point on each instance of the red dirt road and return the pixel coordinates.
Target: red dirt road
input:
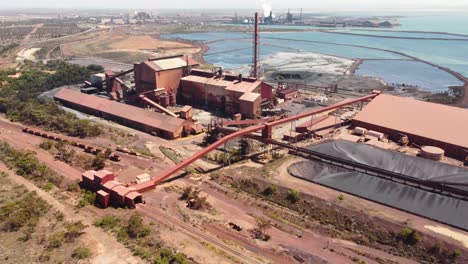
(12, 134)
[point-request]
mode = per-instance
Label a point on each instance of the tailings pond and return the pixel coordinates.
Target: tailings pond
(233, 50)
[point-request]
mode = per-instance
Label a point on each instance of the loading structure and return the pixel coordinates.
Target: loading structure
(266, 129)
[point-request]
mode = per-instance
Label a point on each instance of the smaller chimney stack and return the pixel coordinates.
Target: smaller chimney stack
(240, 77)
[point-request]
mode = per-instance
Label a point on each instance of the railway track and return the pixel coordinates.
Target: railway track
(163, 217)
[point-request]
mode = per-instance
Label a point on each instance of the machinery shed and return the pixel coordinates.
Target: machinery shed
(118, 194)
(249, 105)
(109, 186)
(102, 198)
(425, 124)
(133, 198)
(103, 176)
(147, 121)
(88, 179)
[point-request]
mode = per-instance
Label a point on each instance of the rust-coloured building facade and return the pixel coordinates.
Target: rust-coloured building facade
(144, 120)
(162, 73)
(229, 93)
(110, 190)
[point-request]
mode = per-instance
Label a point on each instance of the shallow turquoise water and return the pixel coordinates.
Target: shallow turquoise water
(409, 72)
(234, 49)
(452, 22)
(445, 53)
(452, 53)
(389, 33)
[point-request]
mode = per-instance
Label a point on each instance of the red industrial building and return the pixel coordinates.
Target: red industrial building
(287, 94)
(110, 190)
(230, 93)
(425, 124)
(109, 186)
(162, 73)
(87, 179)
(103, 176)
(102, 198)
(158, 124)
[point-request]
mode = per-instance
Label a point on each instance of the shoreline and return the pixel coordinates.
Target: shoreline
(394, 37)
(354, 67)
(461, 102)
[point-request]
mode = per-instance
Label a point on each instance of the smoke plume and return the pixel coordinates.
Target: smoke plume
(266, 8)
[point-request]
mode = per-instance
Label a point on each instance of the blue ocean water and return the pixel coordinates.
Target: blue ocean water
(234, 49)
(409, 72)
(389, 33)
(451, 22)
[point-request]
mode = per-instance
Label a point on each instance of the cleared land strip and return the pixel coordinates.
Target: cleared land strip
(162, 217)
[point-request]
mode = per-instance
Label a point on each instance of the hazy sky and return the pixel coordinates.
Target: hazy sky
(322, 5)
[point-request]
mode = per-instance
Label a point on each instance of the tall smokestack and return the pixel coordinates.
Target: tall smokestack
(255, 66)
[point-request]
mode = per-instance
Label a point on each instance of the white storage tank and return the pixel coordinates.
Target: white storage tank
(360, 131)
(432, 153)
(142, 178)
(376, 134)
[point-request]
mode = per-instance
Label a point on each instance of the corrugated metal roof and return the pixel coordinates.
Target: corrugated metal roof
(207, 81)
(121, 190)
(102, 173)
(111, 184)
(89, 174)
(102, 193)
(433, 121)
(250, 97)
(236, 86)
(243, 87)
(136, 114)
(171, 63)
(133, 195)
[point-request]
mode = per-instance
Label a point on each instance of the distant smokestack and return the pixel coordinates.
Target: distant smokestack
(255, 66)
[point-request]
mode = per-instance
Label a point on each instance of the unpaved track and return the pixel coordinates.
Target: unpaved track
(171, 221)
(12, 134)
(109, 251)
(27, 38)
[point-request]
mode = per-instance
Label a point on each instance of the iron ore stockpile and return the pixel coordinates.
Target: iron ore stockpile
(421, 200)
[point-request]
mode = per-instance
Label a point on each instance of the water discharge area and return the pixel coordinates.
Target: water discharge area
(422, 201)
(233, 50)
(409, 72)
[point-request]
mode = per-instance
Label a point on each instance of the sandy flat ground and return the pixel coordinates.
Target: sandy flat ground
(463, 238)
(27, 54)
(119, 46)
(307, 62)
(144, 42)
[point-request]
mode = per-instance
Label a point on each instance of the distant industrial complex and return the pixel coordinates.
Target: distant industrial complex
(158, 96)
(123, 140)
